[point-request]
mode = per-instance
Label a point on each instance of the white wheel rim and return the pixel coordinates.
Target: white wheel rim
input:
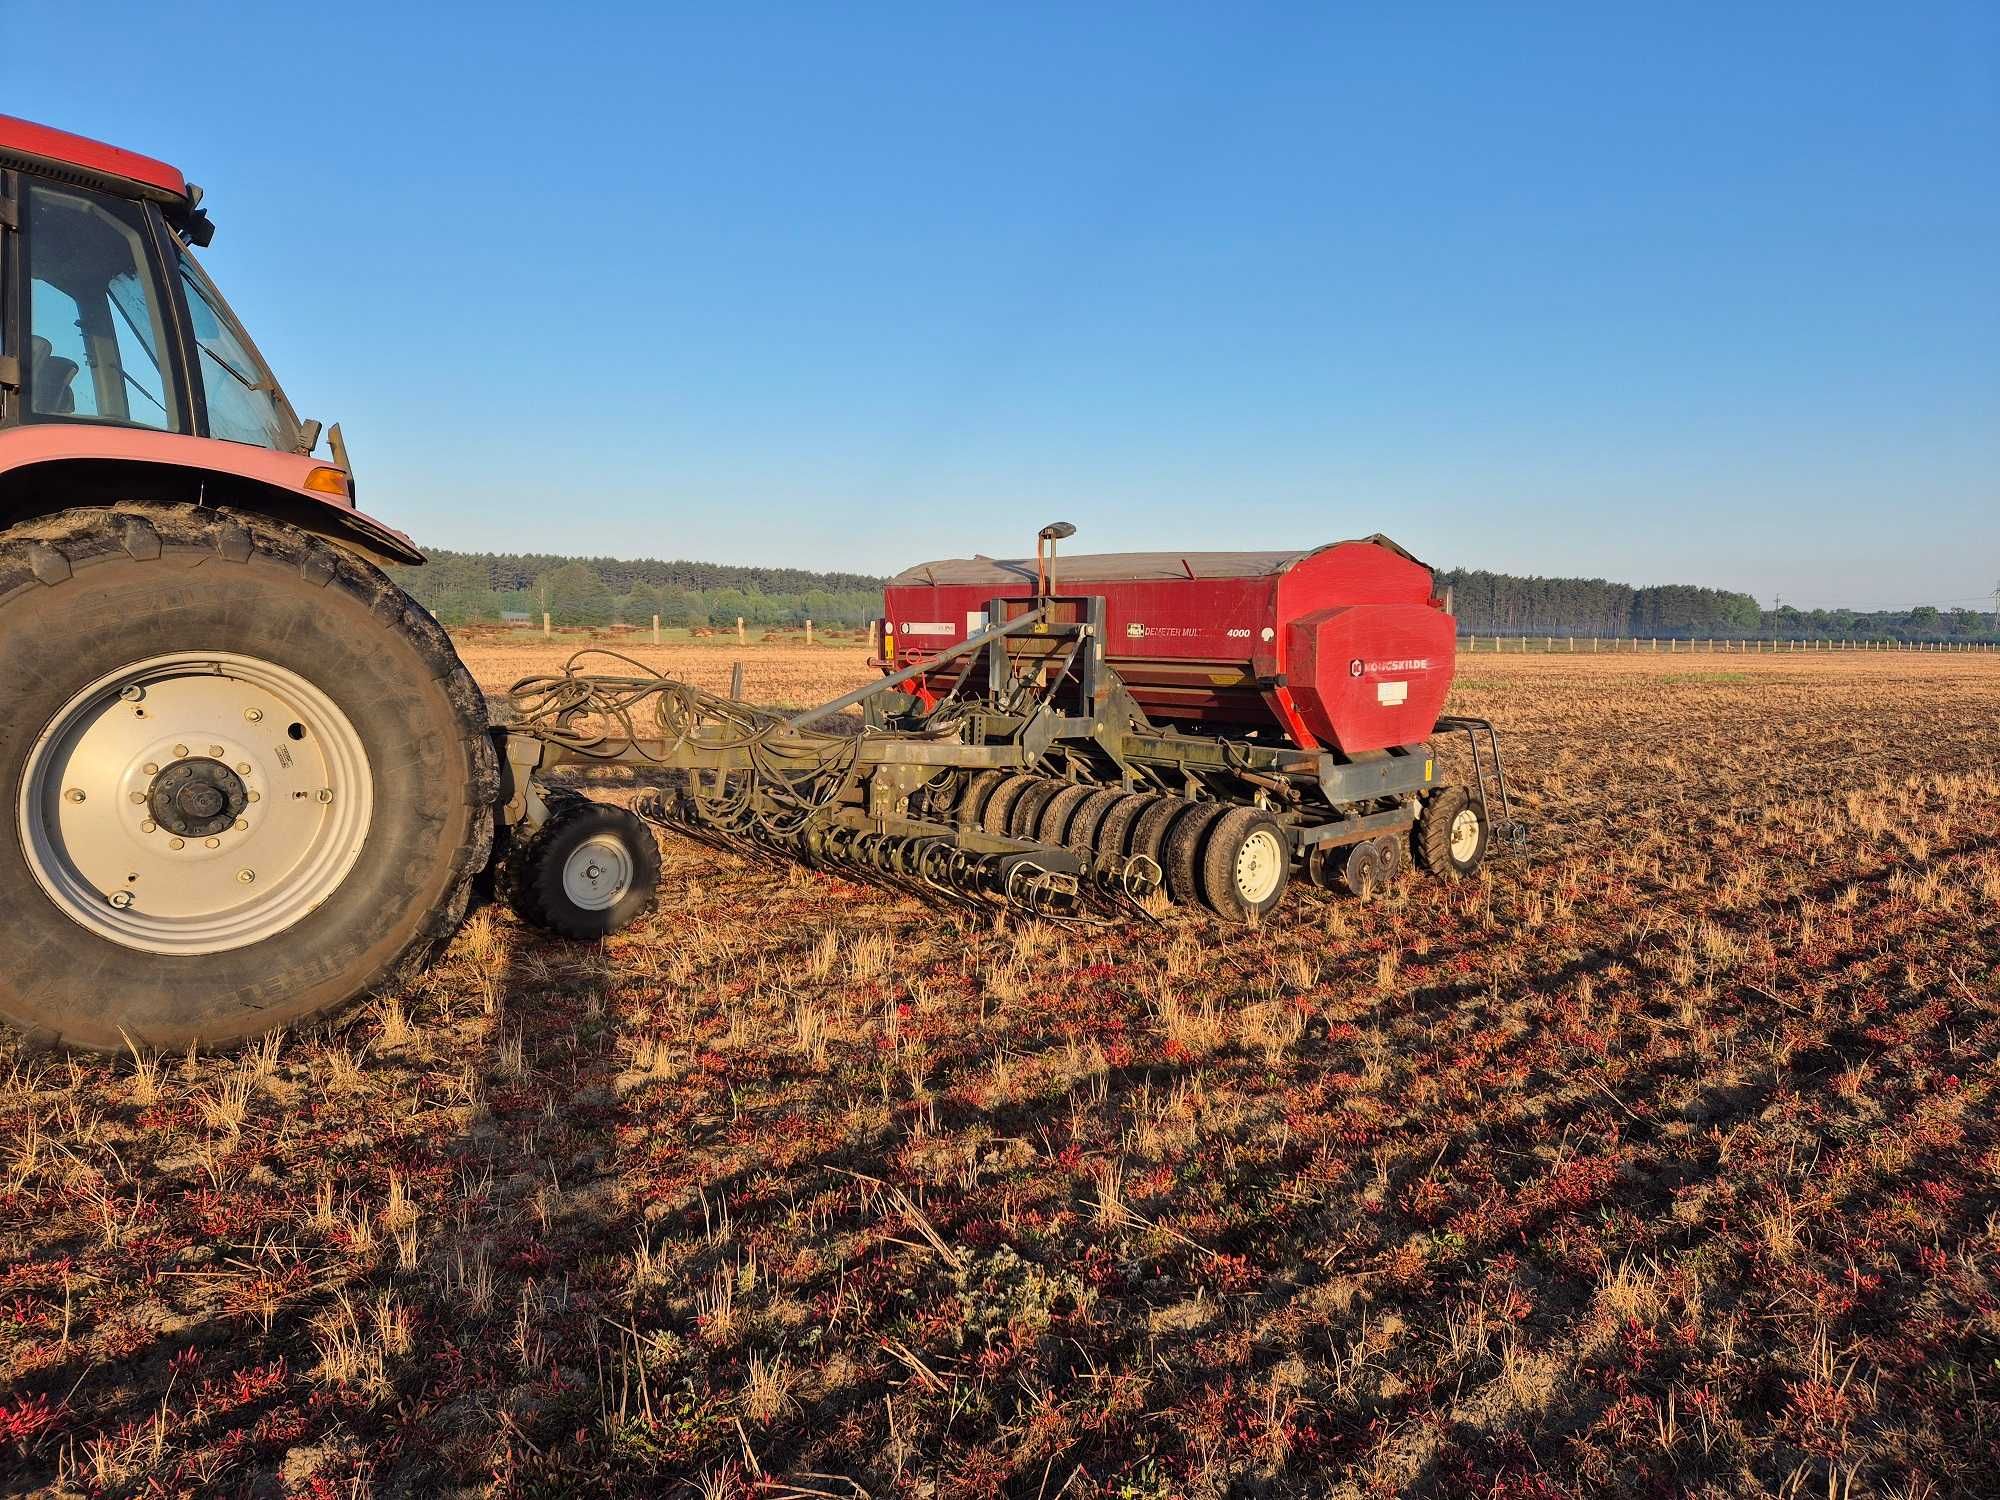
(1260, 864)
(287, 809)
(597, 873)
(1464, 834)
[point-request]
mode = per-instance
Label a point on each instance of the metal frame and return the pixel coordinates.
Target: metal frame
(1032, 694)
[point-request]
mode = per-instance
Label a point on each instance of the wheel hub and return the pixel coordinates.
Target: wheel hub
(197, 797)
(597, 874)
(195, 803)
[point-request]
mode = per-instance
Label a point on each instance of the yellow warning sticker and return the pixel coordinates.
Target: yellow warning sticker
(1427, 771)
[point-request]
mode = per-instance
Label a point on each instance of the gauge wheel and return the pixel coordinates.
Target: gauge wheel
(244, 778)
(1451, 833)
(590, 870)
(1245, 865)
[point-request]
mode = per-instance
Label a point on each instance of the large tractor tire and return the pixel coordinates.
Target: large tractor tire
(243, 778)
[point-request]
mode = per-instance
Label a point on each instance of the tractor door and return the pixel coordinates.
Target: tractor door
(97, 346)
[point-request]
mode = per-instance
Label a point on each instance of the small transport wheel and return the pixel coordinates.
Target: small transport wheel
(1451, 833)
(1180, 857)
(243, 778)
(1361, 875)
(1245, 865)
(589, 871)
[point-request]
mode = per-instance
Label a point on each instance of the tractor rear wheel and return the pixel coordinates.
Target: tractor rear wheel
(243, 777)
(1451, 832)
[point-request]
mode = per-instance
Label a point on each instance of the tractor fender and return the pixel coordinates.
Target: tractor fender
(56, 466)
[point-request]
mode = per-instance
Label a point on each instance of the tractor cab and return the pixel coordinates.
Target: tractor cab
(108, 317)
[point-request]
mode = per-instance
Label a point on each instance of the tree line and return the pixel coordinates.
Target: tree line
(463, 588)
(1504, 604)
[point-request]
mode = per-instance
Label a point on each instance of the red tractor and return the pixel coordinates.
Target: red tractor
(242, 776)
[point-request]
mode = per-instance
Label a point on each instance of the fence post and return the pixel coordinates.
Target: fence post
(546, 632)
(740, 637)
(809, 632)
(656, 630)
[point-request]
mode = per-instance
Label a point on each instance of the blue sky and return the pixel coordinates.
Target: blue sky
(1687, 293)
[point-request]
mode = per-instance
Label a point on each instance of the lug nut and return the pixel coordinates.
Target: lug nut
(120, 899)
(75, 794)
(216, 751)
(180, 750)
(242, 825)
(132, 692)
(149, 826)
(256, 796)
(177, 843)
(213, 843)
(246, 876)
(243, 768)
(254, 715)
(151, 768)
(139, 799)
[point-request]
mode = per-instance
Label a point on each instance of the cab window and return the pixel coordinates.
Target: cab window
(244, 402)
(95, 329)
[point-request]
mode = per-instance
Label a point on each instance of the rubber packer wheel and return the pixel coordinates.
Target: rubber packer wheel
(1451, 832)
(589, 871)
(1149, 830)
(1117, 823)
(1182, 855)
(95, 593)
(1245, 865)
(972, 806)
(1000, 806)
(1027, 814)
(1054, 826)
(1089, 816)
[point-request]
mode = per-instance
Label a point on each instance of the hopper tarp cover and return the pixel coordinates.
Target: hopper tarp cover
(1118, 567)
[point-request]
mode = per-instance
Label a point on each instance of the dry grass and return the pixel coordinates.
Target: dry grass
(1659, 1160)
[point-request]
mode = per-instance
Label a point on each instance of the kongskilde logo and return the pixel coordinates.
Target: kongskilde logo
(1413, 664)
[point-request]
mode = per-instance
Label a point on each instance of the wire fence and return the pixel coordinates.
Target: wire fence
(1718, 646)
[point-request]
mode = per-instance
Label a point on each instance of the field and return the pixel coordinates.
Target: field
(1660, 1158)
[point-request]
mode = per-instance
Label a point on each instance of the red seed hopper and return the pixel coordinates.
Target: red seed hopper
(1345, 647)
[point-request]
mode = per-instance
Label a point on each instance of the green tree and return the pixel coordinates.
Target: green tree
(573, 594)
